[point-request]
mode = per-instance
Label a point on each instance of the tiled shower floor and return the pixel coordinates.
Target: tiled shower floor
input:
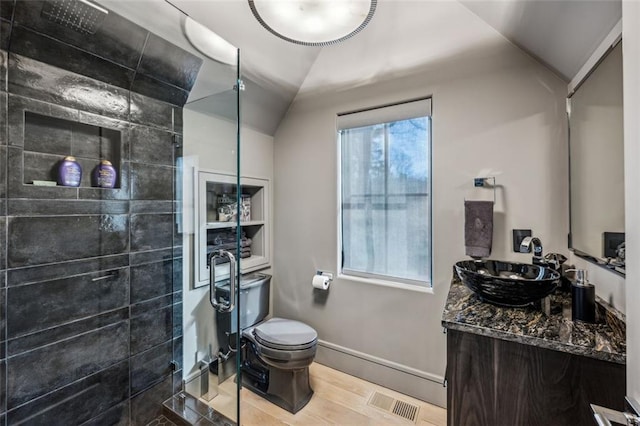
(161, 421)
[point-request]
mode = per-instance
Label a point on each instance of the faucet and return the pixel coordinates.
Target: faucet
(526, 245)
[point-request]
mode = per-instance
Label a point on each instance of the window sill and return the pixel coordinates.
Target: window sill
(418, 289)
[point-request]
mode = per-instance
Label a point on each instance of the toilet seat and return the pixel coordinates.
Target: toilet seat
(284, 334)
(283, 343)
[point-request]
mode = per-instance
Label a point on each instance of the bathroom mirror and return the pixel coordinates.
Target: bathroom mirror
(596, 164)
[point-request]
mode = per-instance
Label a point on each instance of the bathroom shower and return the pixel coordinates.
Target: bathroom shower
(79, 15)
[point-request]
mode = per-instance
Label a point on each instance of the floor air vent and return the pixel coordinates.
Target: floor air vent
(394, 406)
(406, 410)
(382, 401)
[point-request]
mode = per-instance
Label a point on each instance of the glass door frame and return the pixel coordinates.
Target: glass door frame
(238, 89)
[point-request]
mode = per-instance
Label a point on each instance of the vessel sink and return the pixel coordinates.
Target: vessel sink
(507, 283)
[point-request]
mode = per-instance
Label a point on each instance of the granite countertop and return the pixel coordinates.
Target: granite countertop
(605, 340)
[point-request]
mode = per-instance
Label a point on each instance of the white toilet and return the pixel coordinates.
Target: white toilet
(277, 352)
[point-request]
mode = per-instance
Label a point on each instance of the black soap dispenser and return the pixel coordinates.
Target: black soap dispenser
(583, 298)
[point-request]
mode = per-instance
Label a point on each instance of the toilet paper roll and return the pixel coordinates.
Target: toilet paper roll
(320, 282)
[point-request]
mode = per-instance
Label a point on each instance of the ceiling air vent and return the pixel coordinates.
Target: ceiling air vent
(394, 406)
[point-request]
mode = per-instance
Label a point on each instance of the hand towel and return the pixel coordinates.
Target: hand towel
(478, 228)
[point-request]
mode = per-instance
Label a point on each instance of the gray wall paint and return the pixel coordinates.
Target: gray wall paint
(495, 111)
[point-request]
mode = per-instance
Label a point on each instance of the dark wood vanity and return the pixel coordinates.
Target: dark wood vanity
(517, 366)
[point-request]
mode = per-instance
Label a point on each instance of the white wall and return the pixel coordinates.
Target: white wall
(631, 71)
(495, 111)
(210, 143)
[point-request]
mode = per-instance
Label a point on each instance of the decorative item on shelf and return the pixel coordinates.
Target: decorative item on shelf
(212, 210)
(69, 172)
(226, 208)
(226, 213)
(104, 175)
(245, 208)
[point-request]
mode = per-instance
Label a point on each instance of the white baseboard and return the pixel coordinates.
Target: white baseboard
(410, 381)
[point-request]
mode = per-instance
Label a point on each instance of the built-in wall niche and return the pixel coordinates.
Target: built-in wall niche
(218, 224)
(47, 140)
(220, 194)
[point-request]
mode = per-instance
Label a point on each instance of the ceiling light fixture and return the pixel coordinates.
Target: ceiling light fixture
(313, 22)
(209, 43)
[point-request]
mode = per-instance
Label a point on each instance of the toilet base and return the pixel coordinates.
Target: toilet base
(288, 389)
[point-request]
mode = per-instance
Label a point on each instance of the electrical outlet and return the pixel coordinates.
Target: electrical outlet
(518, 236)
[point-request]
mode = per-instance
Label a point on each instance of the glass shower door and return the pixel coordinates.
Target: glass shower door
(211, 173)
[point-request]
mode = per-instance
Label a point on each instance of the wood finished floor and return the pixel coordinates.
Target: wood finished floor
(338, 399)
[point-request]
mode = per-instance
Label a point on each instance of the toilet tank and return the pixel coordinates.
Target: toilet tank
(254, 301)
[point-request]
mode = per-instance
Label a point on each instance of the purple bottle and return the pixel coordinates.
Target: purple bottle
(69, 172)
(104, 175)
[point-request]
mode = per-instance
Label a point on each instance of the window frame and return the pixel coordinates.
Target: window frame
(373, 278)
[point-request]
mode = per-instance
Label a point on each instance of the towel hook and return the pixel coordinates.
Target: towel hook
(482, 181)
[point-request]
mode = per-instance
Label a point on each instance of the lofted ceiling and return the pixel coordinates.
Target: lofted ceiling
(561, 34)
(403, 34)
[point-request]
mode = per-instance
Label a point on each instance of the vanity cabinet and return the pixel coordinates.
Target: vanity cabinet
(213, 191)
(496, 382)
(522, 366)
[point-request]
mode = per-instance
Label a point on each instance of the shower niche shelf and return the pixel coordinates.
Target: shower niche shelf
(216, 229)
(47, 140)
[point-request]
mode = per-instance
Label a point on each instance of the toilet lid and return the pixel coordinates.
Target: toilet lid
(285, 332)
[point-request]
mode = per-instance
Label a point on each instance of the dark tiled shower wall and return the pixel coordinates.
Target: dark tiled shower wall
(92, 287)
(119, 53)
(90, 279)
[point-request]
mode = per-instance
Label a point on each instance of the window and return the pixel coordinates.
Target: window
(385, 186)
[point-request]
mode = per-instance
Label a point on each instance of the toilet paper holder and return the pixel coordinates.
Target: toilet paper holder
(321, 280)
(325, 274)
